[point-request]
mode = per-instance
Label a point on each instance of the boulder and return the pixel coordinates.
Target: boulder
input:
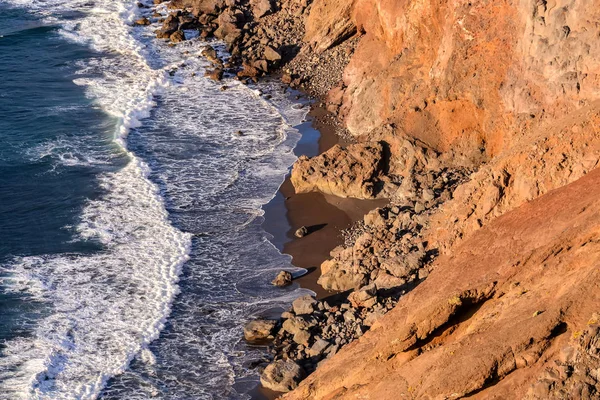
(295, 325)
(302, 338)
(248, 71)
(177, 36)
(142, 22)
(271, 54)
(301, 232)
(260, 8)
(208, 6)
(287, 79)
(261, 65)
(260, 329)
(318, 347)
(187, 22)
(170, 24)
(284, 278)
(228, 27)
(282, 376)
(304, 305)
(355, 171)
(214, 74)
(210, 53)
(340, 277)
(405, 265)
(365, 297)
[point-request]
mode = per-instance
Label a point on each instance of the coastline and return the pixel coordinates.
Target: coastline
(329, 215)
(288, 211)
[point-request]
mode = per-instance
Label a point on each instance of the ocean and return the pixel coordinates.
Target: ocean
(132, 249)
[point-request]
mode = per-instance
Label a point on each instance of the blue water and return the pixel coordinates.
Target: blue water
(131, 245)
(41, 109)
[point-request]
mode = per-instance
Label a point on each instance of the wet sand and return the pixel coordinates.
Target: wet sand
(325, 215)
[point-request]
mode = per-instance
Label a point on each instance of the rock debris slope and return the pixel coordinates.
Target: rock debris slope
(513, 312)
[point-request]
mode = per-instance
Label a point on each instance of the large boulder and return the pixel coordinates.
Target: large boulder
(340, 275)
(260, 329)
(304, 305)
(355, 171)
(282, 376)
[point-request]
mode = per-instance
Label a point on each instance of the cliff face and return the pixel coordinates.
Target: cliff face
(511, 91)
(468, 76)
(512, 313)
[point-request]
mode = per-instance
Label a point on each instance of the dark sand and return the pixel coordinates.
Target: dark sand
(326, 215)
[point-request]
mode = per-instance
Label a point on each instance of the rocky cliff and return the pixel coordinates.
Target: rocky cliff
(489, 113)
(469, 76)
(480, 122)
(513, 312)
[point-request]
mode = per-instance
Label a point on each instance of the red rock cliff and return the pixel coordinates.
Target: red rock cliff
(466, 75)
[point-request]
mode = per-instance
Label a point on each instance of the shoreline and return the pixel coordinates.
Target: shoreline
(328, 215)
(289, 211)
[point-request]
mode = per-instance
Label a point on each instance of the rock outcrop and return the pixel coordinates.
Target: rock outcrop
(512, 313)
(468, 77)
(557, 154)
(358, 171)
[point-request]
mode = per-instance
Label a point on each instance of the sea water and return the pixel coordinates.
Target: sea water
(131, 245)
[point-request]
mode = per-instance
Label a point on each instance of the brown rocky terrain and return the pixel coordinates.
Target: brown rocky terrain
(480, 122)
(511, 313)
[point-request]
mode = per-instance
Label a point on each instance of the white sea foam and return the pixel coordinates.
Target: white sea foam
(107, 306)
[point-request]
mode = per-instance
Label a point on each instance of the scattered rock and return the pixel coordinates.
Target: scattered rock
(258, 330)
(260, 8)
(271, 54)
(302, 337)
(282, 376)
(301, 232)
(142, 22)
(365, 297)
(318, 347)
(284, 278)
(214, 74)
(177, 36)
(304, 305)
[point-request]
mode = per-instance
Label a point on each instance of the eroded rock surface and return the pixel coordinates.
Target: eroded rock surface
(495, 319)
(357, 171)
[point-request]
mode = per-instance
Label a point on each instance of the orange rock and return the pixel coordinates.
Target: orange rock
(467, 77)
(498, 318)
